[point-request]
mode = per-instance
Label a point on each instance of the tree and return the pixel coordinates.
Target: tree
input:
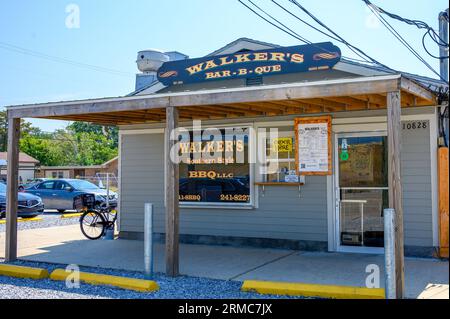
(26, 129)
(111, 132)
(41, 149)
(79, 144)
(64, 147)
(3, 131)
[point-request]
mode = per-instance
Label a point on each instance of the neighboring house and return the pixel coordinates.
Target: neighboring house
(79, 171)
(27, 166)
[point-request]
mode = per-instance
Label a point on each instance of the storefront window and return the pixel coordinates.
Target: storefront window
(280, 156)
(218, 169)
(363, 161)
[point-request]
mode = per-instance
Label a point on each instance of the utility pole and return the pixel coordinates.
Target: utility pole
(443, 151)
(444, 54)
(443, 51)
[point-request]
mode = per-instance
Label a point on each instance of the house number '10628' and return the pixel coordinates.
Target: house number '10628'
(415, 125)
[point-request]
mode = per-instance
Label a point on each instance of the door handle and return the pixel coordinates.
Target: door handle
(54, 194)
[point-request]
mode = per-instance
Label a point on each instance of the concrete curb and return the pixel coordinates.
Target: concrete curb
(23, 272)
(24, 220)
(311, 290)
(107, 280)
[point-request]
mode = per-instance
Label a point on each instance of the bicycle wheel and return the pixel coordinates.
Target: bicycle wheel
(93, 225)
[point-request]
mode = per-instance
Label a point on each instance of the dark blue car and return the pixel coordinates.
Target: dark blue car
(29, 205)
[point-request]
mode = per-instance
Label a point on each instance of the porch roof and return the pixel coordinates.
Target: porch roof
(362, 93)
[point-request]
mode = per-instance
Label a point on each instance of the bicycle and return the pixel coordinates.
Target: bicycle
(95, 219)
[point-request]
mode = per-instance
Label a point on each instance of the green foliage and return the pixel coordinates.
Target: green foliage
(111, 132)
(41, 149)
(78, 144)
(3, 131)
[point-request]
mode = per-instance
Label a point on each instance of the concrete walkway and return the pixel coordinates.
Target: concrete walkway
(425, 278)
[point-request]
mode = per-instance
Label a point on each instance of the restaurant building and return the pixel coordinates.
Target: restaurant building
(297, 148)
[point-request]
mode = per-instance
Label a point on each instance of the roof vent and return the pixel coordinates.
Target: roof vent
(149, 61)
(254, 81)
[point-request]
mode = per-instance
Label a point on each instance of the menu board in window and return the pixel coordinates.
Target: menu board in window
(313, 138)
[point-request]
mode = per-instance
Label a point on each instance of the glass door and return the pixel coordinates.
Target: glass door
(361, 190)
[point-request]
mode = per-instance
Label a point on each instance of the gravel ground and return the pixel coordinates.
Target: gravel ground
(48, 220)
(170, 288)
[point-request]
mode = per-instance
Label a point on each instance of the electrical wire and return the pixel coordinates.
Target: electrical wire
(289, 31)
(397, 35)
(342, 40)
(17, 49)
(304, 40)
(303, 21)
(273, 24)
(320, 31)
(426, 49)
(419, 24)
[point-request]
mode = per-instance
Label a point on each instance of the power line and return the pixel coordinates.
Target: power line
(426, 49)
(396, 34)
(300, 19)
(17, 49)
(288, 30)
(273, 24)
(419, 24)
(276, 20)
(342, 40)
(318, 30)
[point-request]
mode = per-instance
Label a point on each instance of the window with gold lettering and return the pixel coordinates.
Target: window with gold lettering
(216, 167)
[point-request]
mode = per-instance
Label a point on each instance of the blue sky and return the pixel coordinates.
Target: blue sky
(111, 33)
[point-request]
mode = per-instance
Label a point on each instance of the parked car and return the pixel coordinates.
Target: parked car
(59, 194)
(31, 183)
(29, 205)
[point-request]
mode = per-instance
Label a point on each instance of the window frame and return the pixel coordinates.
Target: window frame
(252, 189)
(282, 134)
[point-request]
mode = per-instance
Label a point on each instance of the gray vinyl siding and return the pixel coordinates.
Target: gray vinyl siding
(142, 174)
(281, 212)
(297, 219)
(417, 195)
(142, 180)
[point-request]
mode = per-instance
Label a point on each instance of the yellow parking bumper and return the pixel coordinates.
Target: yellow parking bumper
(107, 280)
(312, 290)
(23, 272)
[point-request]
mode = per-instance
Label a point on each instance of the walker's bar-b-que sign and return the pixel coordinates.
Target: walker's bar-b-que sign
(283, 60)
(313, 145)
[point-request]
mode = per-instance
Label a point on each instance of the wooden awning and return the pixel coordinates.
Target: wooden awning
(364, 93)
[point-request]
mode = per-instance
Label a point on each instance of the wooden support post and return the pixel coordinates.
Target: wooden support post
(172, 198)
(12, 189)
(395, 185)
(443, 201)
